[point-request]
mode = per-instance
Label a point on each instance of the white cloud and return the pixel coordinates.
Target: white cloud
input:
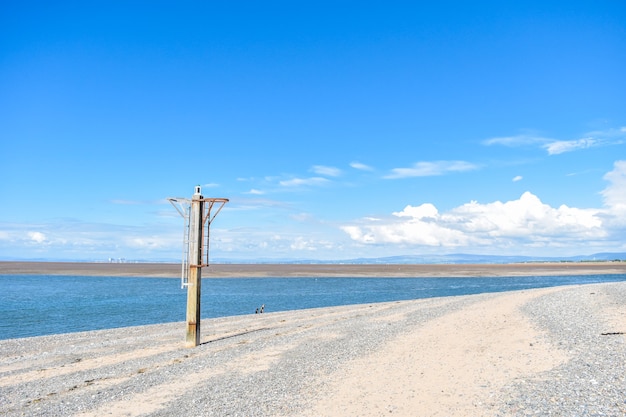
(527, 217)
(259, 243)
(514, 141)
(252, 203)
(298, 182)
(429, 169)
(302, 244)
(562, 146)
(80, 240)
(147, 242)
(425, 211)
(556, 146)
(37, 237)
(525, 221)
(327, 171)
(615, 193)
(361, 167)
(255, 192)
(517, 178)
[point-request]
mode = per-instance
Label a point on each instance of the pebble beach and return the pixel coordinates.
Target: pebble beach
(553, 351)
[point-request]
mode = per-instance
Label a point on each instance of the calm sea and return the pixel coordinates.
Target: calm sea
(34, 305)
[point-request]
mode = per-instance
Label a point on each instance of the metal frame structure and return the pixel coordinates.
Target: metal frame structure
(183, 206)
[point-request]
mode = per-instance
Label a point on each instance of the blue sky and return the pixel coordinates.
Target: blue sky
(337, 129)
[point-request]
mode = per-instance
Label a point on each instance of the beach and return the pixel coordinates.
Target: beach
(551, 351)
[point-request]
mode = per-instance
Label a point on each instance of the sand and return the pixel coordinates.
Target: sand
(448, 367)
(477, 355)
(315, 270)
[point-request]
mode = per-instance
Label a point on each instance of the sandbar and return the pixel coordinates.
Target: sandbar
(171, 270)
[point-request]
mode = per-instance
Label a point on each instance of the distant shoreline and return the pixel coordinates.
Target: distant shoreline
(170, 270)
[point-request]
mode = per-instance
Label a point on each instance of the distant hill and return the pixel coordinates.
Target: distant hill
(457, 258)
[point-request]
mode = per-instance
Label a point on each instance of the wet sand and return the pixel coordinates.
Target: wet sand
(315, 270)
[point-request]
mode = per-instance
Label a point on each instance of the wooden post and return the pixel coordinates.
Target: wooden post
(194, 269)
(197, 215)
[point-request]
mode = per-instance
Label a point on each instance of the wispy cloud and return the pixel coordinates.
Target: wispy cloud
(606, 137)
(99, 240)
(255, 192)
(556, 146)
(361, 167)
(300, 182)
(562, 146)
(326, 170)
(252, 203)
(429, 169)
(517, 178)
(517, 140)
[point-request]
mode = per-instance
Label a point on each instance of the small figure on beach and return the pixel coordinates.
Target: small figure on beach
(260, 310)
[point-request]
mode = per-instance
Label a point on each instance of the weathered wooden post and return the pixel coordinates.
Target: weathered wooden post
(194, 281)
(197, 215)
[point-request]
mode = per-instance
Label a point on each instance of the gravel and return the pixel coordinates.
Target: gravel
(593, 382)
(240, 372)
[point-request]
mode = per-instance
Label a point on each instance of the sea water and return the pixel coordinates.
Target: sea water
(34, 305)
